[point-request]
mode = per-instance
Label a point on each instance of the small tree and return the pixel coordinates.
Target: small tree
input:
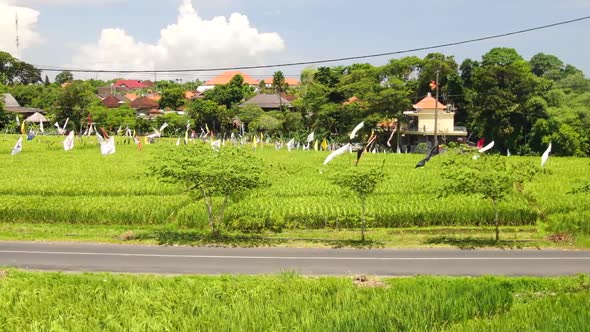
(361, 180)
(491, 177)
(216, 177)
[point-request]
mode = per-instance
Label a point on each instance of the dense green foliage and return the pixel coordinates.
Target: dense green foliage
(520, 104)
(90, 302)
(83, 187)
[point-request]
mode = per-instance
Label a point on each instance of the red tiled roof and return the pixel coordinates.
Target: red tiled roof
(228, 75)
(111, 102)
(351, 100)
(428, 103)
(134, 84)
(289, 80)
(144, 102)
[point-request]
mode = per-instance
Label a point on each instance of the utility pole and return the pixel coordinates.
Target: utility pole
(436, 112)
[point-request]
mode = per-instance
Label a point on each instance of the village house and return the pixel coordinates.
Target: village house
(419, 124)
(268, 102)
(224, 78)
(12, 106)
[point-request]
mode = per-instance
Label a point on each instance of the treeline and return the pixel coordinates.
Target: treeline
(522, 105)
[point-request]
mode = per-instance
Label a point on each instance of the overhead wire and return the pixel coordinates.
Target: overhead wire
(302, 63)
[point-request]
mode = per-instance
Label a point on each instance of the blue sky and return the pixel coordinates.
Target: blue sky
(70, 31)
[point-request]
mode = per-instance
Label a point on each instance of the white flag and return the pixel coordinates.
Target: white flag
(18, 147)
(508, 153)
(291, 144)
(17, 121)
(41, 127)
(337, 153)
(66, 124)
(487, 147)
(357, 128)
(108, 146)
(99, 138)
(164, 126)
(310, 137)
(69, 141)
(545, 156)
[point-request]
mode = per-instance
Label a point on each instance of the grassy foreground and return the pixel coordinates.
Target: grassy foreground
(423, 237)
(93, 302)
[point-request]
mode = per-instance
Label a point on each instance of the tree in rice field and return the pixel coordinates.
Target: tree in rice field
(362, 180)
(215, 177)
(491, 177)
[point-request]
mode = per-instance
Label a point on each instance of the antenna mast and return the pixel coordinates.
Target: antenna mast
(17, 39)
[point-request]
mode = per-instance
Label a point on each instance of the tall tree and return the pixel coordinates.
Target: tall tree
(172, 98)
(73, 102)
(14, 71)
(64, 77)
(279, 84)
(504, 84)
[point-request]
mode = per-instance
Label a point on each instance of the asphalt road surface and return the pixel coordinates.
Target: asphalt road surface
(188, 260)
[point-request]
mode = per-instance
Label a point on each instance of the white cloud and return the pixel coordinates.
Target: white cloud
(27, 23)
(191, 42)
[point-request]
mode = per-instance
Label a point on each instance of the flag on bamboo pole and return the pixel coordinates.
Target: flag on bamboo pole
(508, 153)
(30, 135)
(310, 137)
(433, 152)
(41, 127)
(99, 138)
(18, 147)
(480, 143)
(487, 147)
(107, 147)
(432, 85)
(254, 143)
(356, 129)
(136, 141)
(324, 144)
(69, 141)
(291, 144)
(316, 145)
(366, 148)
(545, 155)
(336, 153)
(23, 130)
(178, 142)
(17, 120)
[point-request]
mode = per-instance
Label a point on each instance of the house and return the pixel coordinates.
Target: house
(289, 80)
(12, 106)
(419, 126)
(144, 105)
(113, 101)
(268, 102)
(134, 84)
(224, 78)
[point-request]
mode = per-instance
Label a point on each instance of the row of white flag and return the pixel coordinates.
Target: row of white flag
(107, 146)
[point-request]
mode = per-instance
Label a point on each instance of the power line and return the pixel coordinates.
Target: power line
(333, 59)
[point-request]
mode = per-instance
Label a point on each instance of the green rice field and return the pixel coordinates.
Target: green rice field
(44, 184)
(288, 302)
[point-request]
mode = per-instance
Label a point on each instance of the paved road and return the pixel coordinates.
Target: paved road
(187, 260)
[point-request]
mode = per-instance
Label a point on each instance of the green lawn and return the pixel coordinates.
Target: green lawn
(288, 302)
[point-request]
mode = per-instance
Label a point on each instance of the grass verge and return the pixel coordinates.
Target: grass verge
(423, 237)
(106, 302)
